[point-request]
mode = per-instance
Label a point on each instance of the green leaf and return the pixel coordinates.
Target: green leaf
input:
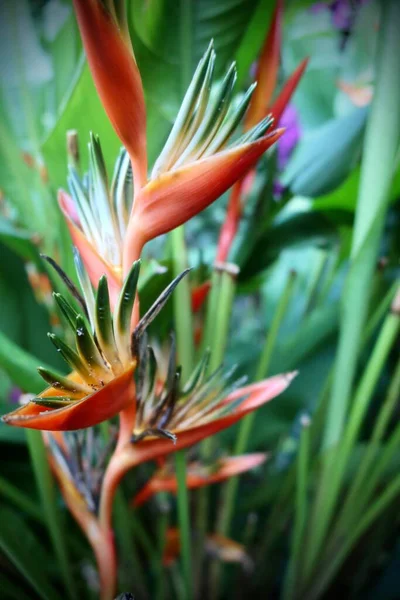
(24, 550)
(82, 111)
(157, 28)
(19, 241)
(326, 155)
(20, 366)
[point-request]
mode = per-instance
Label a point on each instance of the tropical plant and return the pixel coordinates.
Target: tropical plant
(134, 430)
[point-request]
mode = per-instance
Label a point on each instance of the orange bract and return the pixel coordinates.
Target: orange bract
(164, 480)
(116, 76)
(103, 404)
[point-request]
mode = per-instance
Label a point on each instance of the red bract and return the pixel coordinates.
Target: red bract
(198, 163)
(177, 196)
(90, 410)
(112, 63)
(189, 430)
(267, 70)
(164, 480)
(260, 105)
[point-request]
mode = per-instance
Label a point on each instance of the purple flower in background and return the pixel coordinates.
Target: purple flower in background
(14, 395)
(286, 144)
(288, 141)
(343, 13)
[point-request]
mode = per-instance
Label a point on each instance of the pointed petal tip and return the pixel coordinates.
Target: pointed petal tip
(290, 376)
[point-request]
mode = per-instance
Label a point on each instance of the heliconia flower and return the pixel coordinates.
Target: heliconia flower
(218, 546)
(103, 362)
(261, 104)
(97, 215)
(198, 162)
(178, 417)
(198, 475)
(108, 47)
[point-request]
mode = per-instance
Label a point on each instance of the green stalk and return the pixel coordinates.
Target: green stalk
(278, 517)
(219, 311)
(330, 274)
(128, 550)
(162, 527)
(302, 468)
(182, 304)
(182, 295)
(380, 147)
(20, 500)
(221, 318)
(247, 423)
(184, 521)
(380, 312)
(315, 286)
(335, 463)
(364, 482)
(230, 491)
(44, 482)
(212, 307)
(143, 537)
(21, 367)
(186, 43)
(334, 562)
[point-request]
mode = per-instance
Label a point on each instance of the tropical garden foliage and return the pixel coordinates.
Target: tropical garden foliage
(199, 334)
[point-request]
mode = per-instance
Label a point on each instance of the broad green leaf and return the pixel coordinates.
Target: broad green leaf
(345, 196)
(326, 155)
(19, 241)
(169, 42)
(81, 110)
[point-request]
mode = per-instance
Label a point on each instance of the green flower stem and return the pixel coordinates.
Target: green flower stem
(218, 316)
(182, 295)
(231, 487)
(131, 571)
(330, 274)
(315, 286)
(162, 528)
(143, 537)
(210, 321)
(333, 563)
(332, 476)
(380, 147)
(21, 367)
(279, 516)
(182, 305)
(220, 320)
(302, 468)
(45, 484)
(184, 522)
(361, 488)
(247, 423)
(20, 500)
(379, 313)
(186, 44)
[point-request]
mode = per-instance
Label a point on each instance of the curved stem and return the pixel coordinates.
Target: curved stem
(116, 469)
(101, 538)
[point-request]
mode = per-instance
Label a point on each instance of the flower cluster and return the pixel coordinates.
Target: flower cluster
(113, 367)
